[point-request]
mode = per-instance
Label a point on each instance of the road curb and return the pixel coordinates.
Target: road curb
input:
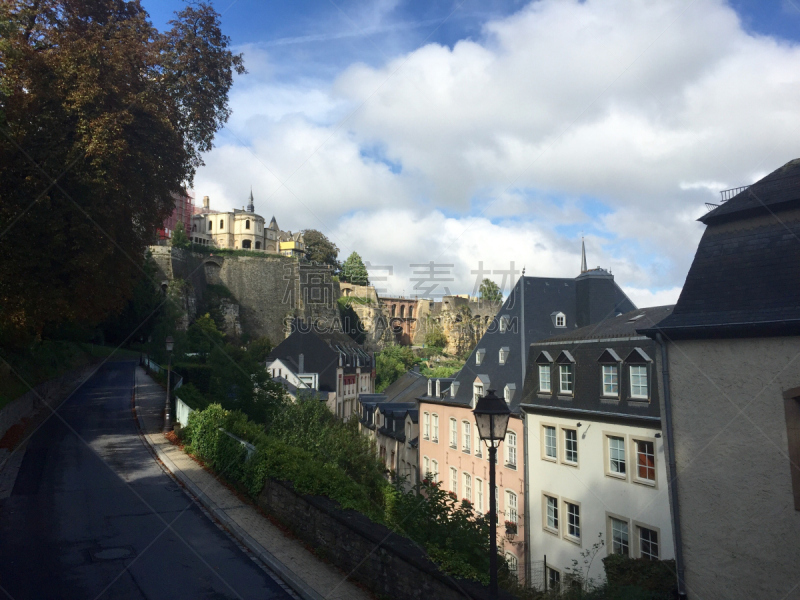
(289, 577)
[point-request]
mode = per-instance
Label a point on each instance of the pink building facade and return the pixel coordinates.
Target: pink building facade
(451, 451)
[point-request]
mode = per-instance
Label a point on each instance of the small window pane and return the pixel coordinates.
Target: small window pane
(453, 480)
(511, 506)
(639, 382)
(616, 455)
(544, 378)
(571, 445)
(645, 461)
(610, 380)
(648, 543)
(468, 486)
(511, 448)
(619, 537)
(573, 520)
(566, 378)
(550, 441)
(552, 512)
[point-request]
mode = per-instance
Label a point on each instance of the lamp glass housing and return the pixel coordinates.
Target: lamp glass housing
(491, 417)
(170, 343)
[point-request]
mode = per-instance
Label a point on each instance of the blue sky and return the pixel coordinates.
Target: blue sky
(503, 130)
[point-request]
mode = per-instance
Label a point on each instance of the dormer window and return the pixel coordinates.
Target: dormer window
(544, 362)
(503, 324)
(454, 388)
(638, 369)
(559, 319)
(479, 356)
(566, 373)
(509, 391)
(504, 352)
(430, 387)
(610, 361)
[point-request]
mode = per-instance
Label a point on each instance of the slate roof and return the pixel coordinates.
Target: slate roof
(531, 306)
(773, 193)
(321, 351)
(622, 326)
(745, 277)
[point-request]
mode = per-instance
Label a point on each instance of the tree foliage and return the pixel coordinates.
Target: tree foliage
(320, 249)
(102, 122)
(179, 237)
(391, 363)
(435, 337)
(490, 292)
(354, 271)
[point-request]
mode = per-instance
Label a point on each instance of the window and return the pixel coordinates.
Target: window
(435, 432)
(565, 373)
(467, 431)
(648, 543)
(258, 245)
(638, 381)
(573, 520)
(550, 442)
(511, 506)
(453, 480)
(247, 224)
(508, 392)
(513, 564)
(479, 356)
(221, 224)
(571, 446)
(426, 426)
(551, 514)
(619, 537)
(402, 311)
(209, 225)
(559, 319)
(503, 324)
(426, 466)
(511, 449)
(468, 486)
(477, 392)
(246, 244)
(453, 433)
(610, 380)
(553, 579)
(616, 455)
(410, 312)
(544, 378)
(435, 470)
(645, 461)
(504, 352)
(479, 495)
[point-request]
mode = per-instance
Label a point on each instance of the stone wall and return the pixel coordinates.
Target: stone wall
(463, 321)
(389, 565)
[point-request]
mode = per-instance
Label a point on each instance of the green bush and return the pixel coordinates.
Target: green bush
(195, 373)
(391, 363)
(192, 397)
(435, 337)
(638, 578)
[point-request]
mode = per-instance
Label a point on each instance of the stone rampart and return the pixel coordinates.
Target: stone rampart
(389, 565)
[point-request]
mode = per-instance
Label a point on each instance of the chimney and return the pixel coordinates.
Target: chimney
(205, 202)
(301, 361)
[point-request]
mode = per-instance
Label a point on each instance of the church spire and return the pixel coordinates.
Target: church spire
(583, 257)
(251, 207)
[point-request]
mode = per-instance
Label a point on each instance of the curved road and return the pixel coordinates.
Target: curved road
(92, 515)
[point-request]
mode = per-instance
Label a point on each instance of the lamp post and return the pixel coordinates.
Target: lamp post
(167, 419)
(491, 416)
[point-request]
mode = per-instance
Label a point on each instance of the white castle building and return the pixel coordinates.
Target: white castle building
(243, 230)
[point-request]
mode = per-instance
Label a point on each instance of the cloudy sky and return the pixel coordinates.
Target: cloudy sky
(478, 133)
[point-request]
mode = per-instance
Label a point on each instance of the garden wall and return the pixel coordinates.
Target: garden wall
(387, 564)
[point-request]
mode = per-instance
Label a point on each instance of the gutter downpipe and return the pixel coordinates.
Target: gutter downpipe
(673, 480)
(525, 484)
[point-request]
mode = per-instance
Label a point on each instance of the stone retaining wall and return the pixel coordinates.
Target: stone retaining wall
(389, 565)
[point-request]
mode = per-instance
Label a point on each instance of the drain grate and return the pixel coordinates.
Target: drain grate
(112, 553)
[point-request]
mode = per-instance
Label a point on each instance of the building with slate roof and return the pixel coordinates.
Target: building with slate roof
(595, 461)
(392, 420)
(732, 406)
(327, 361)
(536, 308)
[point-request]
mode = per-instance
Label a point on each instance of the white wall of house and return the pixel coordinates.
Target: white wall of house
(599, 493)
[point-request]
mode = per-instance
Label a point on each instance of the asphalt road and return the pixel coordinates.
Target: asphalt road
(92, 515)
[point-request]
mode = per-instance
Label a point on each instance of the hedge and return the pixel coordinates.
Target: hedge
(653, 579)
(273, 459)
(195, 373)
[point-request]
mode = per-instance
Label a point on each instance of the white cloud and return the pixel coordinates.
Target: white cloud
(645, 108)
(644, 298)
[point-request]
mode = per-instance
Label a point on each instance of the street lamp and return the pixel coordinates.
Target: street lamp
(491, 416)
(167, 419)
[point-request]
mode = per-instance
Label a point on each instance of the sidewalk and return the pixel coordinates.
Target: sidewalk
(307, 575)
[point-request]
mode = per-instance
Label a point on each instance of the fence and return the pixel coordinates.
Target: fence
(151, 365)
(182, 412)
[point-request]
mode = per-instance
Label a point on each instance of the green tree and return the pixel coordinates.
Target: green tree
(354, 271)
(260, 348)
(103, 120)
(203, 336)
(435, 337)
(391, 363)
(320, 249)
(490, 292)
(179, 237)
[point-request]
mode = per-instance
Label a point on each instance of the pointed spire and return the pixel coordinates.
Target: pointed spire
(583, 256)
(251, 207)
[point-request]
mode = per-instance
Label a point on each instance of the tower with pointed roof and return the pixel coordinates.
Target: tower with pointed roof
(584, 268)
(251, 207)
